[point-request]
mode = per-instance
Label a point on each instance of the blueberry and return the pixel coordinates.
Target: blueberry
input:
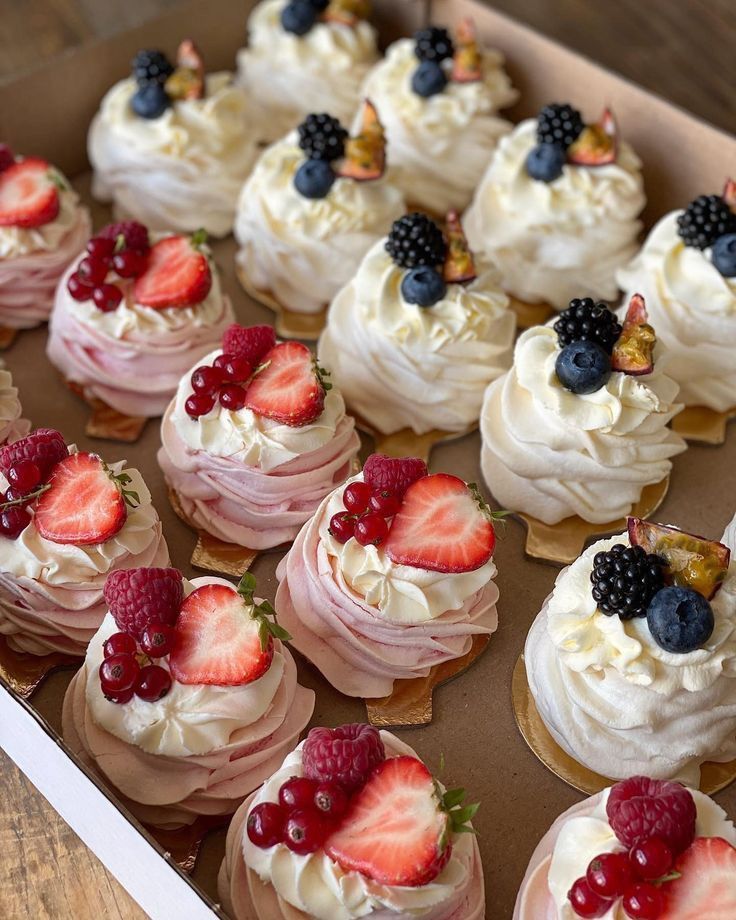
(679, 619)
(583, 367)
(314, 178)
(724, 255)
(150, 101)
(298, 17)
(545, 162)
(428, 79)
(423, 286)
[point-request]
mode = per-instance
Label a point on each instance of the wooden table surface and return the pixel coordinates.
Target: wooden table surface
(680, 49)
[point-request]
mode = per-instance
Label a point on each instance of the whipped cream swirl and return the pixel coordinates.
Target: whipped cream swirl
(12, 426)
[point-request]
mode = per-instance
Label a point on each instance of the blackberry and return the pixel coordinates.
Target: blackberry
(319, 5)
(559, 124)
(151, 67)
(322, 137)
(416, 240)
(704, 220)
(625, 579)
(433, 44)
(587, 321)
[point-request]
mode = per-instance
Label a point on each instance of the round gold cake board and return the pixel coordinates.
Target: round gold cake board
(289, 324)
(530, 314)
(7, 337)
(23, 672)
(563, 542)
(407, 443)
(698, 423)
(107, 423)
(713, 776)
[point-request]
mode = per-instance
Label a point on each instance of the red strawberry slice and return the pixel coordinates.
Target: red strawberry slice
(442, 525)
(249, 342)
(289, 389)
(706, 888)
(392, 474)
(84, 504)
(28, 196)
(177, 275)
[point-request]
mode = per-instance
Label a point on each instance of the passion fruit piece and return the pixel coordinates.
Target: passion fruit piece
(347, 12)
(633, 353)
(729, 194)
(459, 267)
(365, 154)
(597, 144)
(691, 561)
(187, 80)
(467, 62)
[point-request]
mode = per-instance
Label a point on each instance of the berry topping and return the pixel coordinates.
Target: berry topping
(235, 368)
(178, 273)
(107, 297)
(13, 521)
(386, 504)
(128, 234)
(370, 530)
(331, 800)
(545, 161)
(704, 220)
(651, 859)
(7, 157)
(92, 270)
(342, 526)
(223, 637)
(29, 197)
(151, 66)
(392, 474)
(585, 902)
(644, 901)
(429, 79)
(433, 44)
(153, 683)
(297, 792)
(443, 525)
(680, 620)
(609, 875)
(157, 639)
(200, 404)
(633, 353)
(305, 830)
(207, 379)
(640, 808)
(130, 263)
(345, 755)
(314, 179)
(625, 579)
(138, 597)
(583, 368)
(423, 286)
(45, 447)
(24, 476)
(265, 824)
(298, 17)
(118, 673)
(289, 387)
(101, 248)
(415, 240)
(559, 124)
(724, 255)
(587, 321)
(322, 137)
(119, 643)
(150, 101)
(706, 887)
(78, 287)
(248, 342)
(356, 497)
(232, 397)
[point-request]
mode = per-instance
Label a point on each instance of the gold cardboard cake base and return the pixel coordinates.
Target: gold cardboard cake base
(182, 844)
(24, 672)
(563, 542)
(698, 423)
(530, 314)
(289, 324)
(7, 337)
(713, 776)
(407, 443)
(107, 423)
(410, 703)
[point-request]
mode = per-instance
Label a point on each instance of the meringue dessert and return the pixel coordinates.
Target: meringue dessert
(557, 209)
(392, 576)
(301, 53)
(641, 848)
(254, 439)
(187, 699)
(438, 96)
(352, 825)
(314, 205)
(67, 520)
(686, 269)
(578, 426)
(43, 225)
(12, 426)
(419, 333)
(172, 147)
(632, 660)
(133, 313)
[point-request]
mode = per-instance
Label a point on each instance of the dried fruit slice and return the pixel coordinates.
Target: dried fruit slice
(467, 62)
(347, 12)
(633, 353)
(729, 194)
(459, 267)
(365, 154)
(187, 81)
(692, 562)
(596, 144)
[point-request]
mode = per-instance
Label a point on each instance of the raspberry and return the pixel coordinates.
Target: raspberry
(137, 597)
(45, 447)
(559, 124)
(345, 755)
(433, 44)
(390, 474)
(640, 808)
(414, 240)
(322, 137)
(704, 220)
(134, 234)
(249, 342)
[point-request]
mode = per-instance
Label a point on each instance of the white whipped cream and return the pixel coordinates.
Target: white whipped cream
(22, 241)
(729, 535)
(404, 366)
(556, 240)
(12, 426)
(439, 146)
(693, 308)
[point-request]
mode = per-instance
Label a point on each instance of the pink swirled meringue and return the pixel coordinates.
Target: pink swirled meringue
(12, 426)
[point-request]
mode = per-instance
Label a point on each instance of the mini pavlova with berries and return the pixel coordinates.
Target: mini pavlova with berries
(353, 825)
(644, 849)
(67, 520)
(188, 699)
(392, 576)
(631, 662)
(43, 226)
(133, 313)
(12, 425)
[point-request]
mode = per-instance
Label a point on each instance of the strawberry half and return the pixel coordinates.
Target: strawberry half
(177, 275)
(85, 502)
(28, 195)
(706, 888)
(443, 525)
(289, 388)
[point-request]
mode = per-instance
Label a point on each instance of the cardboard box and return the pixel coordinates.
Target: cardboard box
(474, 725)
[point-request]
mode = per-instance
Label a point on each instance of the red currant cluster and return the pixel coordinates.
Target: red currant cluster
(303, 817)
(122, 673)
(26, 480)
(222, 380)
(634, 876)
(366, 514)
(121, 248)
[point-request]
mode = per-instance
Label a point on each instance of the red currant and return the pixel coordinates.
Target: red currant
(651, 858)
(356, 497)
(12, 495)
(119, 643)
(107, 297)
(386, 504)
(129, 263)
(265, 824)
(78, 287)
(153, 683)
(13, 521)
(644, 901)
(331, 800)
(297, 792)
(342, 526)
(157, 639)
(371, 529)
(609, 874)
(93, 271)
(24, 475)
(119, 672)
(125, 696)
(207, 379)
(305, 831)
(232, 397)
(585, 902)
(100, 249)
(199, 404)
(236, 369)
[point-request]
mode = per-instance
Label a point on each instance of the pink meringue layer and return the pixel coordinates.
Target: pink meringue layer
(28, 283)
(243, 505)
(169, 791)
(13, 429)
(360, 652)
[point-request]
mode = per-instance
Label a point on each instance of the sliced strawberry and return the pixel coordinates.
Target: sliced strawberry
(443, 525)
(28, 195)
(84, 503)
(177, 275)
(289, 388)
(249, 342)
(706, 888)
